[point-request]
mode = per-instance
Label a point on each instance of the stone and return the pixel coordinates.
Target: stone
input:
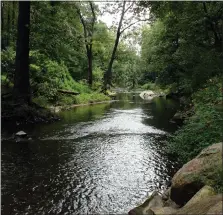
(178, 116)
(154, 201)
(203, 206)
(147, 95)
(21, 134)
(171, 203)
(216, 209)
(204, 192)
(166, 194)
(164, 211)
(191, 177)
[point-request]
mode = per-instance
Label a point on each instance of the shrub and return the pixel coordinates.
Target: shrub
(204, 127)
(8, 63)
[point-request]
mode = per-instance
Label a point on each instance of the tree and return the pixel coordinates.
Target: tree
(135, 13)
(183, 45)
(21, 89)
(88, 21)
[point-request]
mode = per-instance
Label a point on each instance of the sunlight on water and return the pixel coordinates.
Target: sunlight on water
(97, 161)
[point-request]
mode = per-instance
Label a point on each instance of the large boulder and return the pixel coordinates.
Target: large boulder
(203, 193)
(192, 176)
(208, 205)
(164, 211)
(216, 209)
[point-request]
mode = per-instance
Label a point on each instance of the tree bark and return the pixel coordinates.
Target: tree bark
(2, 25)
(14, 21)
(88, 35)
(21, 89)
(8, 25)
(90, 69)
(108, 73)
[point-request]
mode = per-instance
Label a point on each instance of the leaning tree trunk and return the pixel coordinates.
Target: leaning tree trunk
(21, 89)
(108, 73)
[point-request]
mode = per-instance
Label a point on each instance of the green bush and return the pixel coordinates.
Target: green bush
(204, 127)
(8, 64)
(49, 76)
(149, 86)
(93, 97)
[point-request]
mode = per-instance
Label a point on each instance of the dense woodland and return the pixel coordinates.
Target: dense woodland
(50, 47)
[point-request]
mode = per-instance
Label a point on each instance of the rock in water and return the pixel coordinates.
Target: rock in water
(21, 134)
(147, 95)
(192, 176)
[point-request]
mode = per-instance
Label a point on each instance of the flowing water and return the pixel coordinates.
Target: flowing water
(98, 159)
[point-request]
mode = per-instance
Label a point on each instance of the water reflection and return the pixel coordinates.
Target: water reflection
(100, 159)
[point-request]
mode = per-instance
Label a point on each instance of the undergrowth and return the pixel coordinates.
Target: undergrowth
(204, 127)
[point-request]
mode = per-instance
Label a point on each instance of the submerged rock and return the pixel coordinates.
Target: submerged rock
(191, 177)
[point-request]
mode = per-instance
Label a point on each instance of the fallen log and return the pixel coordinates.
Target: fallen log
(68, 92)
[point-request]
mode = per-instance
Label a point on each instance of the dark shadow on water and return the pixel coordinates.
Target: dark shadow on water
(98, 159)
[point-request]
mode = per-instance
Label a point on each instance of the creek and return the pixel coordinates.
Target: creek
(99, 159)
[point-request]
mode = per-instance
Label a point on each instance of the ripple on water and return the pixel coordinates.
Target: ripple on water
(108, 165)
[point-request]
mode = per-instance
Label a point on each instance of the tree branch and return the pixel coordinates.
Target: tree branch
(141, 20)
(129, 7)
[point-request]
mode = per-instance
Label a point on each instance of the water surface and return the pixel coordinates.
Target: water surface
(98, 159)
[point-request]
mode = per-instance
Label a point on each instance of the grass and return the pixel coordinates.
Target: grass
(92, 97)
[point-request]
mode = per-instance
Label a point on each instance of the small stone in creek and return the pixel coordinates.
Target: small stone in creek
(21, 134)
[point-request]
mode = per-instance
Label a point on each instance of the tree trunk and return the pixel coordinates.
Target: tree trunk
(2, 25)
(8, 25)
(133, 83)
(89, 55)
(108, 73)
(21, 89)
(14, 22)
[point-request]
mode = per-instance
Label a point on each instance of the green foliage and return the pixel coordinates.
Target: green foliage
(8, 64)
(217, 181)
(126, 70)
(90, 98)
(182, 46)
(149, 86)
(204, 127)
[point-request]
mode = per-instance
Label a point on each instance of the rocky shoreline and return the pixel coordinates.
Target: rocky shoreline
(192, 188)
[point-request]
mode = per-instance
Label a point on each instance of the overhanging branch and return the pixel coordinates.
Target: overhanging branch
(141, 20)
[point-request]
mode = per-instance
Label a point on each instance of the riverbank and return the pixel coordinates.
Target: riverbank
(56, 109)
(201, 177)
(202, 116)
(195, 189)
(40, 111)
